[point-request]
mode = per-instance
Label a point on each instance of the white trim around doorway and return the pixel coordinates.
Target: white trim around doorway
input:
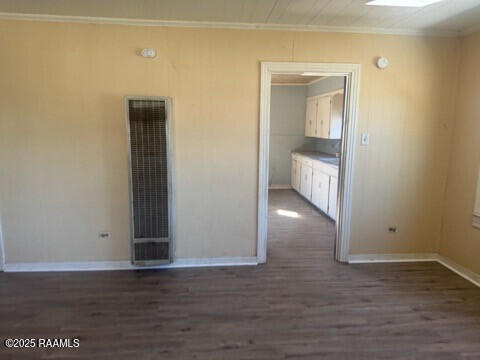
(2, 247)
(349, 135)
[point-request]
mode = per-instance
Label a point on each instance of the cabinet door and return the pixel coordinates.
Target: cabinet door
(320, 191)
(298, 175)
(332, 198)
(336, 118)
(323, 117)
(306, 182)
(311, 115)
(293, 170)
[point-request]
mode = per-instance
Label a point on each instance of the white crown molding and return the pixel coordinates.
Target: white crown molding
(225, 25)
(126, 265)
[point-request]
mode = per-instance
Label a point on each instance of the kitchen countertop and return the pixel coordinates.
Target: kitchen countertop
(314, 155)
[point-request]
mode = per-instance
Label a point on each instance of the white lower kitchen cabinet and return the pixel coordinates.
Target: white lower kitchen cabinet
(294, 174)
(306, 181)
(332, 198)
(317, 181)
(320, 190)
(298, 174)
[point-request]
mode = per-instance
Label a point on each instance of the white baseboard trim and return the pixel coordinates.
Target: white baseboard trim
(126, 265)
(385, 258)
(390, 258)
(279, 187)
(460, 270)
(233, 261)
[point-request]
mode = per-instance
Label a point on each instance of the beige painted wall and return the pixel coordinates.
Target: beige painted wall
(460, 242)
(63, 151)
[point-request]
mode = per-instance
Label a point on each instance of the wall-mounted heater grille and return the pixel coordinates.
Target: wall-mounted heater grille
(150, 180)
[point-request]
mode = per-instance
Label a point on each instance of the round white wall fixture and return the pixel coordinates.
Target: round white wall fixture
(149, 53)
(382, 62)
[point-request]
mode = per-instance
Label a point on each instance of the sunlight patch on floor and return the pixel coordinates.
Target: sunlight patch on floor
(292, 214)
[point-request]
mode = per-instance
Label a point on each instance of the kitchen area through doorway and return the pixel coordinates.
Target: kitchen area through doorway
(306, 122)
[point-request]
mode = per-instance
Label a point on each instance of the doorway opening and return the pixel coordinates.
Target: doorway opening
(308, 117)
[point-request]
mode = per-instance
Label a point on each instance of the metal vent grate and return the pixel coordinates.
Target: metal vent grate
(147, 251)
(149, 180)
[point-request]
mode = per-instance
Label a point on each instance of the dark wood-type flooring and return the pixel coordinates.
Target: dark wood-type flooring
(301, 305)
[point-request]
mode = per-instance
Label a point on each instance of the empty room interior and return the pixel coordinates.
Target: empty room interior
(240, 179)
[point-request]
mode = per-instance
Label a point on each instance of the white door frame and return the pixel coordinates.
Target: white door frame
(345, 183)
(2, 247)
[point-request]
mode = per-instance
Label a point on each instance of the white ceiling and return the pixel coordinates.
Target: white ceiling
(448, 17)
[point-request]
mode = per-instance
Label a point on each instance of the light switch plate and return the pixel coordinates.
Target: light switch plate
(365, 138)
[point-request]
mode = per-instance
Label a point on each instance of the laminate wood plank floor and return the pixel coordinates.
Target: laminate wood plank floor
(300, 305)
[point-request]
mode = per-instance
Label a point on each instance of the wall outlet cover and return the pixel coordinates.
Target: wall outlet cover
(365, 138)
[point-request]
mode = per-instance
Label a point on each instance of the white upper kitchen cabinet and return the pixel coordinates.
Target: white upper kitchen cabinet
(311, 117)
(336, 117)
(324, 116)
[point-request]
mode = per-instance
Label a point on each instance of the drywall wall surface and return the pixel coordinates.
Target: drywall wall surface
(63, 152)
(460, 241)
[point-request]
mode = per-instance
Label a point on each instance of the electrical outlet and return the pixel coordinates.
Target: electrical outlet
(104, 234)
(365, 139)
(393, 229)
